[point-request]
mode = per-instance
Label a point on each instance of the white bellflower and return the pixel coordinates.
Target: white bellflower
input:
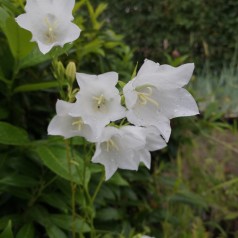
(49, 22)
(156, 95)
(98, 101)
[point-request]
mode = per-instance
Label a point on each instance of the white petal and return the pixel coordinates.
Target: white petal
(63, 107)
(166, 77)
(130, 95)
(109, 78)
(61, 126)
(82, 79)
(71, 32)
(154, 141)
(106, 160)
(148, 67)
(177, 103)
(44, 48)
(144, 157)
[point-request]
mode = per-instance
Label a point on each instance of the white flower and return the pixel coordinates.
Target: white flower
(49, 22)
(156, 95)
(98, 101)
(116, 149)
(151, 137)
(67, 126)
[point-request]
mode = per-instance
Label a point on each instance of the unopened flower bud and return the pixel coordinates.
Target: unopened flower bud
(60, 68)
(70, 71)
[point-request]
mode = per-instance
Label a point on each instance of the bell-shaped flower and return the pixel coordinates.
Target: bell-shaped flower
(49, 22)
(156, 95)
(117, 148)
(152, 138)
(68, 126)
(98, 101)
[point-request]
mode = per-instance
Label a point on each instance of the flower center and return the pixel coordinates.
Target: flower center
(100, 101)
(145, 96)
(111, 145)
(51, 23)
(78, 124)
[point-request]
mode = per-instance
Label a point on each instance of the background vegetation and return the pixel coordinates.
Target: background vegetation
(192, 188)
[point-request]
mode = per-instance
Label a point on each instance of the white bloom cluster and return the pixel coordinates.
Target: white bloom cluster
(152, 98)
(49, 22)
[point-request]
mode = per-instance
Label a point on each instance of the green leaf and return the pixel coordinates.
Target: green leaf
(18, 39)
(55, 232)
(12, 135)
(3, 18)
(66, 222)
(36, 57)
(7, 233)
(190, 198)
(55, 158)
(18, 181)
(27, 231)
(36, 86)
(117, 179)
(109, 214)
(101, 8)
(55, 200)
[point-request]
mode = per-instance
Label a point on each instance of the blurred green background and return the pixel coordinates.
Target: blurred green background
(191, 190)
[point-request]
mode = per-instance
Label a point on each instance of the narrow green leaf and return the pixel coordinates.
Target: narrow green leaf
(55, 200)
(134, 71)
(188, 197)
(27, 231)
(36, 86)
(12, 135)
(66, 222)
(18, 181)
(7, 233)
(55, 158)
(55, 232)
(101, 8)
(18, 39)
(36, 57)
(3, 18)
(117, 179)
(109, 214)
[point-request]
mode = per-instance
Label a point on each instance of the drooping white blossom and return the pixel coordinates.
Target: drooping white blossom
(98, 101)
(156, 95)
(50, 22)
(126, 147)
(68, 126)
(152, 138)
(117, 149)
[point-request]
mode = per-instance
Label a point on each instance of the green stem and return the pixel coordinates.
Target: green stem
(73, 189)
(98, 187)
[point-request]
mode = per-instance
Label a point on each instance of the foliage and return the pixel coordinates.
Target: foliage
(201, 29)
(48, 186)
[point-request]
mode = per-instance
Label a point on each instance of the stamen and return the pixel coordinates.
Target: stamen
(100, 100)
(111, 145)
(78, 123)
(50, 33)
(145, 97)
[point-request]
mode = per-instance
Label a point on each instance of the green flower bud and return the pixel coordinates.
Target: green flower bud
(60, 68)
(70, 71)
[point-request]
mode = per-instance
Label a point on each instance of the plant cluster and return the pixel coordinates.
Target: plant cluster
(53, 186)
(204, 31)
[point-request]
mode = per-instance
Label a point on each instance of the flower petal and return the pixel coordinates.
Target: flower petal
(177, 103)
(148, 67)
(63, 107)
